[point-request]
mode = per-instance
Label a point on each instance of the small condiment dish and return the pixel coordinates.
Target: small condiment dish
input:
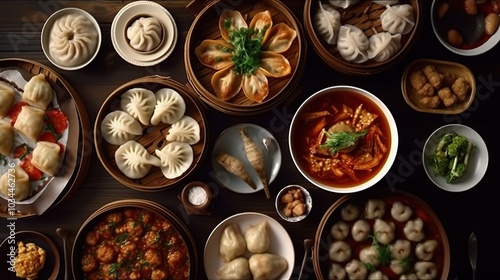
(290, 197)
(196, 197)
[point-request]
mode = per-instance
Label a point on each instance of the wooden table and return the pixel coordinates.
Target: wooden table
(460, 213)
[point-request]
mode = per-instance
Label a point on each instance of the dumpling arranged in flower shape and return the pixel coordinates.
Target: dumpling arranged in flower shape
(247, 55)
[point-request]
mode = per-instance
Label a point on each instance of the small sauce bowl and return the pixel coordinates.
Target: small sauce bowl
(303, 200)
(197, 198)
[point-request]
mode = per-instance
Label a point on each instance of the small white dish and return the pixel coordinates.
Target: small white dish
(478, 162)
(122, 21)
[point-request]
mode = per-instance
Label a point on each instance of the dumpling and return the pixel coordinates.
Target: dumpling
(384, 231)
(267, 266)
(139, 103)
(425, 270)
(340, 230)
(256, 86)
(38, 92)
(119, 127)
(280, 38)
(383, 46)
(414, 230)
(400, 249)
(134, 161)
(349, 212)
(230, 20)
(425, 250)
(374, 208)
(6, 138)
(176, 158)
(401, 212)
(6, 99)
(336, 272)
(398, 19)
(377, 275)
(257, 237)
(145, 34)
(214, 54)
(235, 269)
(30, 122)
(352, 44)
(360, 230)
(340, 251)
(369, 255)
(21, 187)
(356, 270)
(47, 157)
(73, 40)
(226, 83)
(169, 108)
(343, 3)
(232, 243)
(185, 130)
(327, 23)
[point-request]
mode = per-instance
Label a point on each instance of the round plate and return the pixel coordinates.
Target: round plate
(50, 269)
(281, 244)
(120, 25)
(229, 141)
(478, 162)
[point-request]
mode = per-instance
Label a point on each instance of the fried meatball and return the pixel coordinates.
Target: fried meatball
(159, 274)
(433, 76)
(176, 258)
(461, 88)
(89, 263)
(106, 253)
(417, 79)
(134, 228)
(447, 96)
(152, 257)
(91, 238)
(426, 90)
(114, 218)
(430, 101)
(152, 239)
(127, 251)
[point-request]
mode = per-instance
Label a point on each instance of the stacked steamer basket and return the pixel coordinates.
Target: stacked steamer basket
(206, 26)
(366, 16)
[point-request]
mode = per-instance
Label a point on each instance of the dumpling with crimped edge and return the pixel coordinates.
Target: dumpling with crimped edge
(226, 83)
(257, 237)
(215, 54)
(352, 44)
(398, 19)
(176, 158)
(47, 157)
(327, 23)
(30, 122)
(134, 161)
(232, 243)
(383, 46)
(38, 92)
(256, 86)
(185, 130)
(139, 103)
(6, 99)
(280, 38)
(262, 22)
(145, 34)
(169, 108)
(266, 266)
(235, 269)
(230, 20)
(119, 127)
(22, 184)
(6, 138)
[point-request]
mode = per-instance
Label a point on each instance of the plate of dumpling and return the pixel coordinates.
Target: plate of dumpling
(249, 246)
(362, 37)
(150, 133)
(381, 234)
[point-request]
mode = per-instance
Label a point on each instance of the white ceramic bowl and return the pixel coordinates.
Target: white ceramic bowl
(339, 95)
(280, 206)
(46, 32)
(478, 162)
(486, 46)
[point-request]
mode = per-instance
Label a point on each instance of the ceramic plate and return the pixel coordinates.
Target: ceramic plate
(121, 23)
(478, 162)
(281, 244)
(229, 141)
(52, 262)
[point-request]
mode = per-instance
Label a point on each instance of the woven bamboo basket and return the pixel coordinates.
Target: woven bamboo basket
(206, 26)
(366, 16)
(153, 136)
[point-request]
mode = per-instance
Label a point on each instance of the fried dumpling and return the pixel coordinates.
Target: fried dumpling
(280, 38)
(38, 92)
(398, 19)
(256, 86)
(30, 122)
(257, 237)
(185, 130)
(169, 108)
(139, 103)
(274, 65)
(22, 184)
(352, 44)
(145, 34)
(134, 161)
(6, 138)
(267, 266)
(119, 127)
(235, 269)
(6, 99)
(232, 243)
(262, 22)
(47, 157)
(176, 158)
(327, 23)
(226, 83)
(215, 54)
(230, 20)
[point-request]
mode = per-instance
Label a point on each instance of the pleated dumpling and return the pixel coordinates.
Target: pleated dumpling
(134, 161)
(38, 92)
(169, 108)
(176, 158)
(145, 34)
(139, 103)
(327, 23)
(47, 157)
(119, 127)
(280, 38)
(232, 243)
(30, 122)
(22, 184)
(398, 19)
(267, 266)
(6, 99)
(383, 46)
(185, 130)
(257, 237)
(6, 138)
(235, 269)
(352, 43)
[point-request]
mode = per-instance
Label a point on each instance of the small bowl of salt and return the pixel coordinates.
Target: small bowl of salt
(196, 197)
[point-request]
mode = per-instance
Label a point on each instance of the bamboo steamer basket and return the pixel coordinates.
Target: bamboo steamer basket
(153, 136)
(366, 16)
(206, 26)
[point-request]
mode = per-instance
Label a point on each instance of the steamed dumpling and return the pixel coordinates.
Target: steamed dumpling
(398, 19)
(134, 161)
(6, 99)
(6, 138)
(343, 3)
(383, 46)
(327, 23)
(235, 269)
(46, 157)
(185, 130)
(257, 237)
(22, 184)
(232, 243)
(169, 108)
(73, 40)
(352, 43)
(145, 34)
(119, 127)
(176, 158)
(139, 103)
(30, 122)
(38, 92)
(267, 266)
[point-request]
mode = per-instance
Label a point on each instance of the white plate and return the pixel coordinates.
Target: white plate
(281, 244)
(120, 25)
(478, 162)
(230, 141)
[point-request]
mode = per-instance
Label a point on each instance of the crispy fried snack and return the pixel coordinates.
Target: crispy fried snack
(447, 96)
(433, 76)
(430, 101)
(426, 90)
(417, 79)
(461, 88)
(30, 260)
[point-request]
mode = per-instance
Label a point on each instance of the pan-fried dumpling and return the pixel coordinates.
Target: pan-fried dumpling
(185, 130)
(235, 269)
(139, 103)
(6, 99)
(232, 243)
(38, 92)
(46, 157)
(343, 3)
(176, 158)
(266, 266)
(352, 44)
(145, 34)
(134, 161)
(327, 23)
(22, 184)
(30, 122)
(169, 108)
(398, 19)
(383, 46)
(257, 237)
(119, 127)
(230, 20)
(6, 138)
(280, 38)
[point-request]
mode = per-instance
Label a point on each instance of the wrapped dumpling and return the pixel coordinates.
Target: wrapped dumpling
(343, 3)
(383, 46)
(327, 23)
(398, 19)
(235, 269)
(145, 34)
(185, 130)
(352, 44)
(232, 243)
(134, 161)
(169, 108)
(6, 138)
(267, 266)
(6, 99)
(119, 127)
(176, 158)
(22, 184)
(38, 92)
(257, 237)
(46, 157)
(30, 122)
(139, 103)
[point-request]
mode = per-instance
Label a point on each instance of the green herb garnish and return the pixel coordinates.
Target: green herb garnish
(122, 238)
(3, 160)
(341, 140)
(247, 43)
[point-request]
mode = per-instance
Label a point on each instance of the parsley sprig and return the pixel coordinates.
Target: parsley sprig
(341, 140)
(247, 44)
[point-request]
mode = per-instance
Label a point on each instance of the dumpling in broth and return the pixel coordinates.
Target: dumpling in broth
(352, 44)
(235, 269)
(267, 266)
(232, 243)
(257, 237)
(327, 23)
(383, 46)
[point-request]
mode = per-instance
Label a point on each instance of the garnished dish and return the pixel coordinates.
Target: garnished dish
(381, 235)
(247, 55)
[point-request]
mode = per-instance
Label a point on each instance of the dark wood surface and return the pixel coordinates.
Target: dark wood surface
(460, 213)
